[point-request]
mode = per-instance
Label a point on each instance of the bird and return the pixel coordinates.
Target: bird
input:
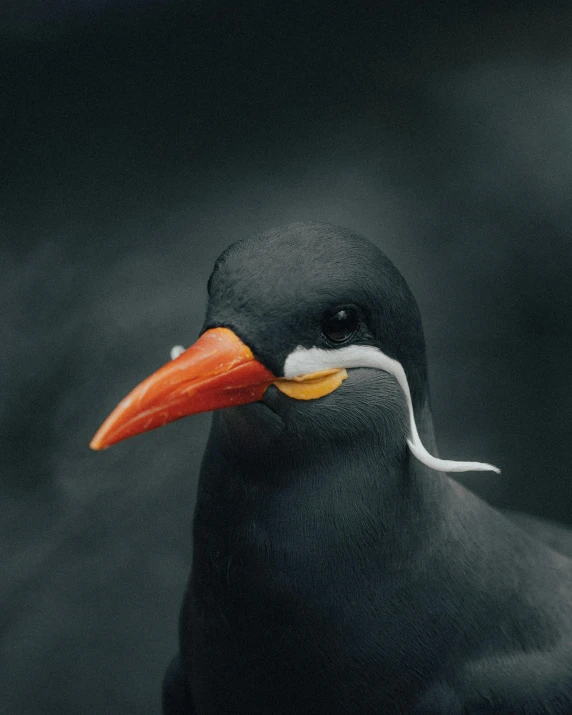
(337, 568)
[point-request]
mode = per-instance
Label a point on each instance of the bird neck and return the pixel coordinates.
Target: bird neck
(369, 489)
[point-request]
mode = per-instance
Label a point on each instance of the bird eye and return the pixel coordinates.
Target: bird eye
(340, 326)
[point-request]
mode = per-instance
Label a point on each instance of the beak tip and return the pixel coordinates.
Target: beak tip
(101, 440)
(96, 445)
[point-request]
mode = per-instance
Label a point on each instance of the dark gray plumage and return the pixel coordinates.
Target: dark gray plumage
(333, 572)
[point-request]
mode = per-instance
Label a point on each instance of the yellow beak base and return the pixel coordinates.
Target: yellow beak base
(311, 386)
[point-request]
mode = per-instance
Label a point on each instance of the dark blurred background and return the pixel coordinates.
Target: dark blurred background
(138, 139)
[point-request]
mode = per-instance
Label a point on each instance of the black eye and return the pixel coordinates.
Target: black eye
(340, 326)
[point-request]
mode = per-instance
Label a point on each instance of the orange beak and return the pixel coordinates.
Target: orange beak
(218, 371)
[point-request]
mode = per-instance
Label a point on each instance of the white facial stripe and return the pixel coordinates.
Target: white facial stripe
(306, 360)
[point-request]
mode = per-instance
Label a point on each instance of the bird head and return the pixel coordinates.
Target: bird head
(315, 329)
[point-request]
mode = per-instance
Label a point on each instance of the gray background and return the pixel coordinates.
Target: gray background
(138, 140)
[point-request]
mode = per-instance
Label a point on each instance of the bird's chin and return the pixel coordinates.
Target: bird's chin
(260, 410)
(261, 414)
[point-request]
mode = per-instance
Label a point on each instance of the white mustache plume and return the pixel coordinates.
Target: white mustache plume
(306, 360)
